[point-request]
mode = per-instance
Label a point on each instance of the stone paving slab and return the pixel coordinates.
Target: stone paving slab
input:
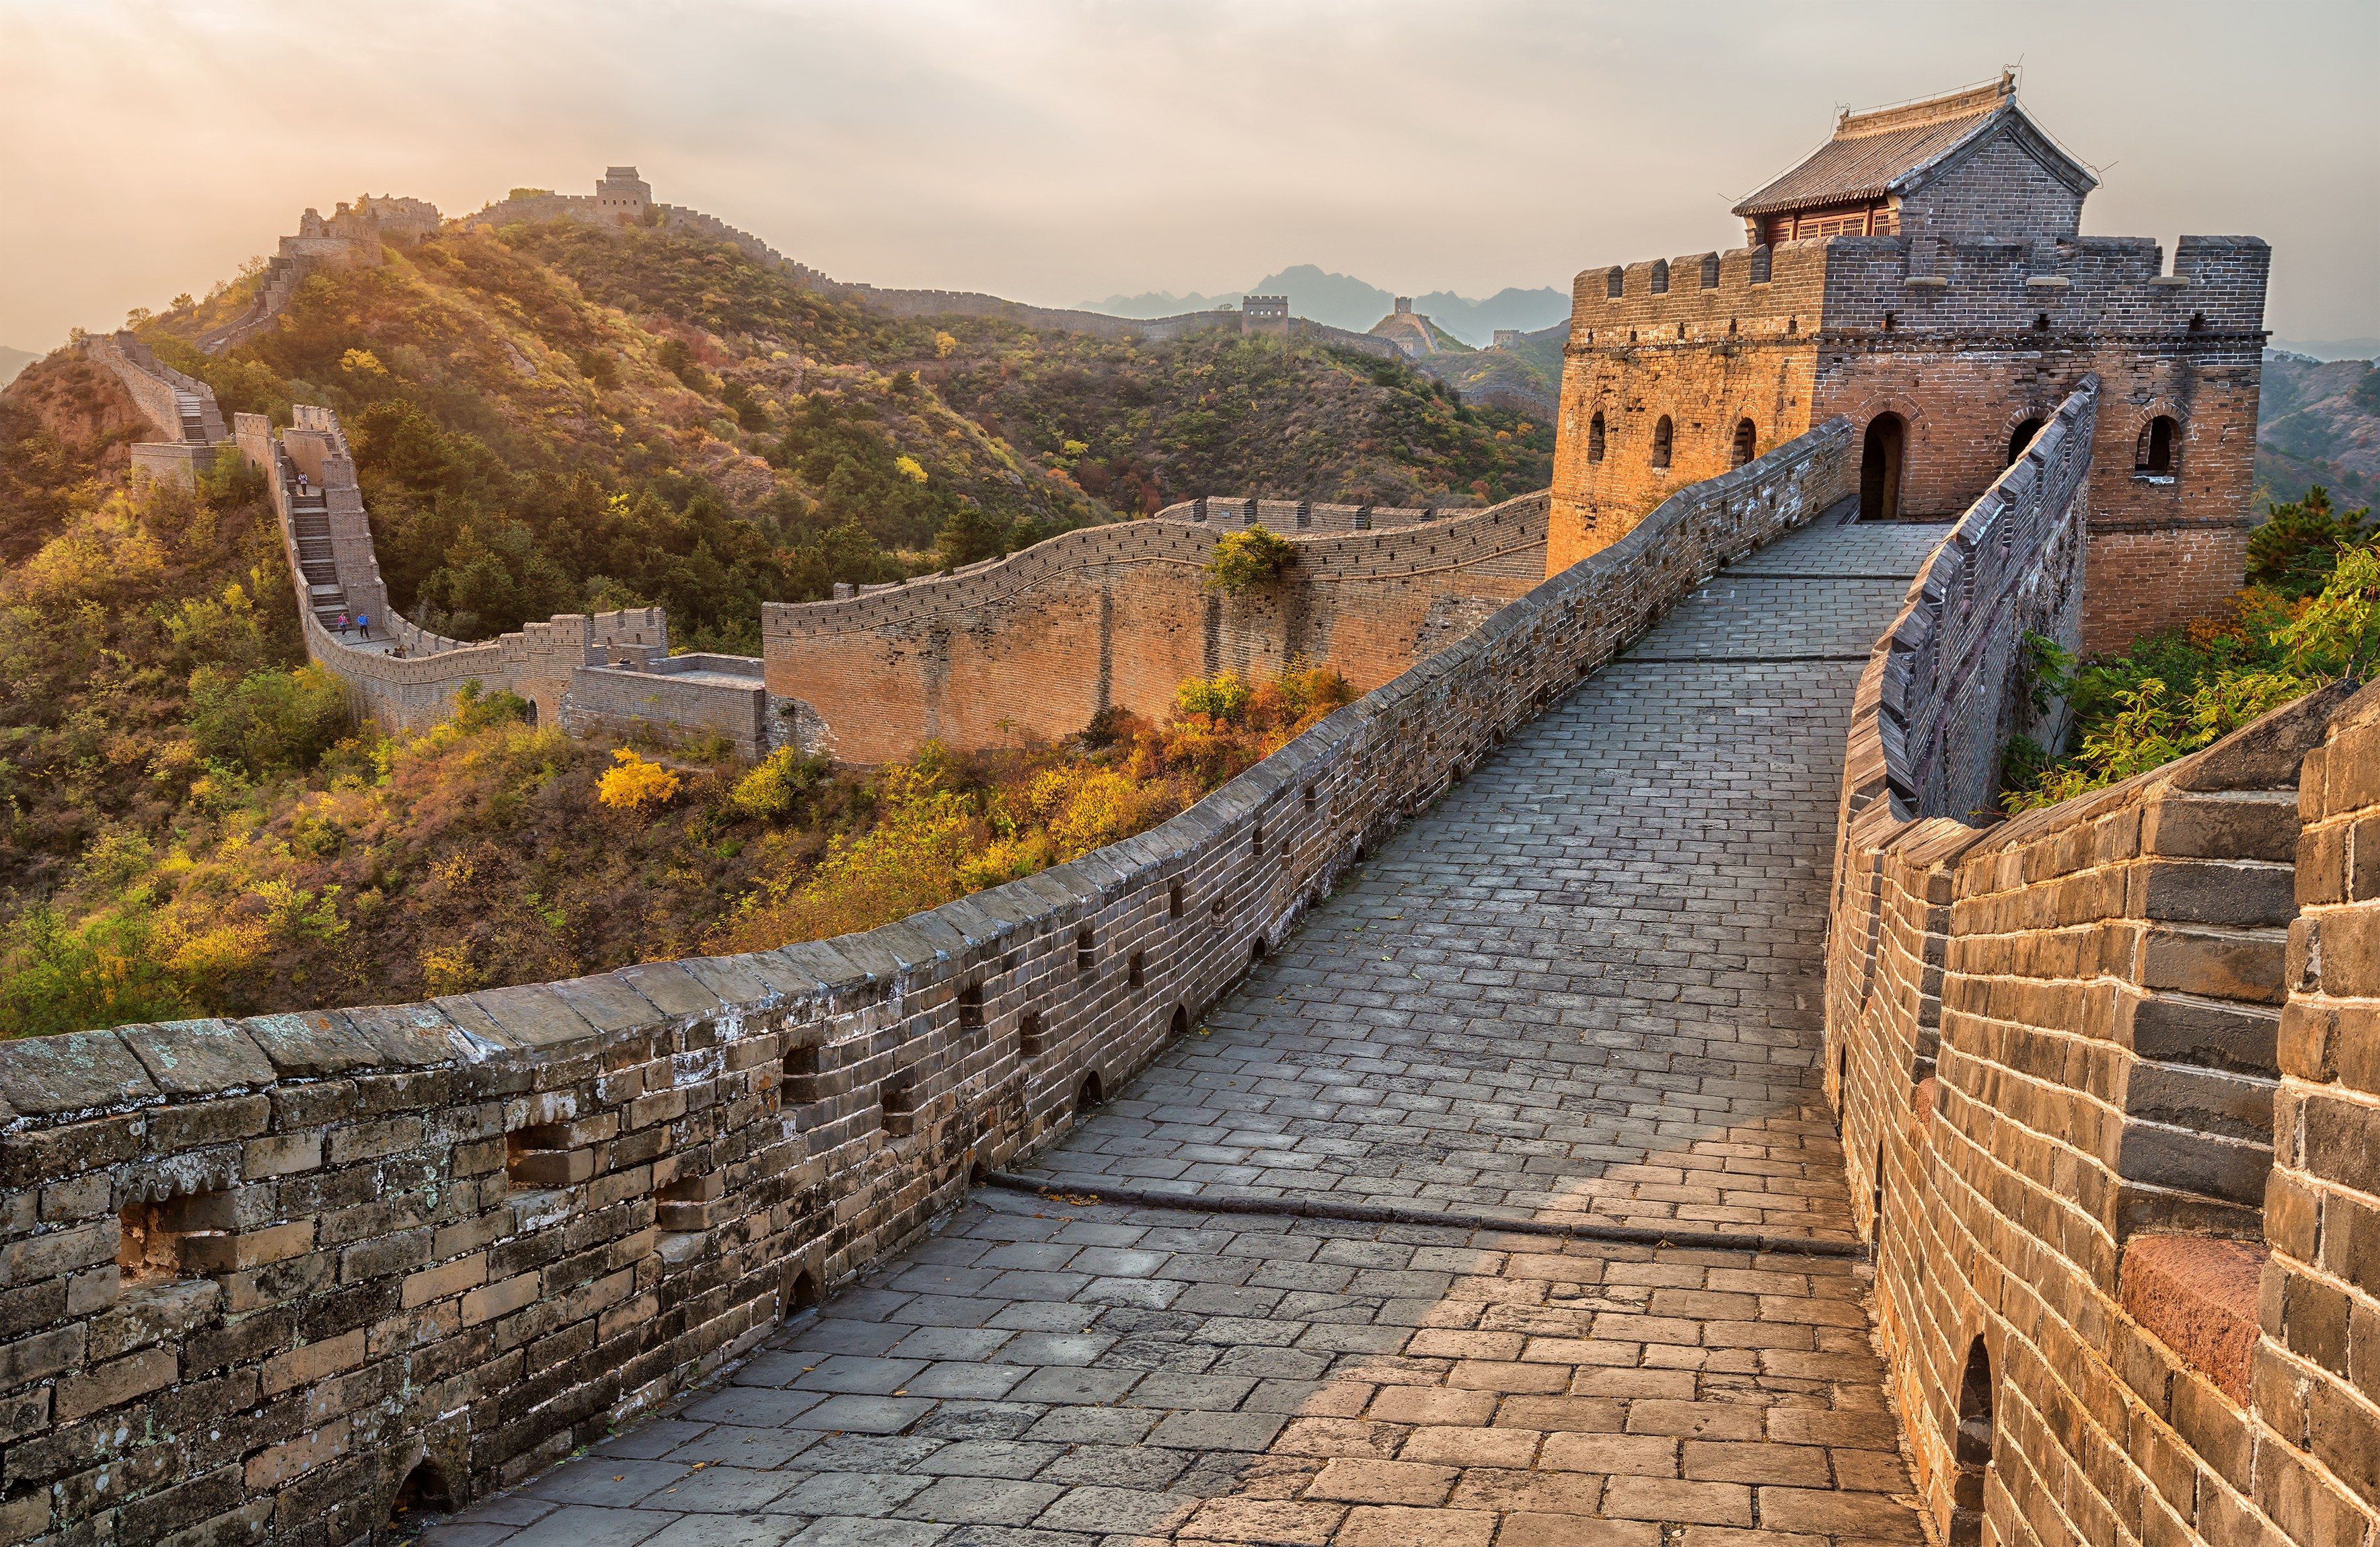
(1267, 1380)
(1585, 988)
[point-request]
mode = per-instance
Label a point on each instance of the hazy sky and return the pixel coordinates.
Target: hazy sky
(1057, 152)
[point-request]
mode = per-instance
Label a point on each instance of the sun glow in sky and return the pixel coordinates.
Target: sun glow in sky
(1068, 150)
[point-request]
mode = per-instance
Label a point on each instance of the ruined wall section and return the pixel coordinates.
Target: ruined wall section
(263, 1272)
(1036, 643)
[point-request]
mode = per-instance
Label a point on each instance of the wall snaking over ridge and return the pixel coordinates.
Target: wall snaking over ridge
(452, 1242)
(608, 674)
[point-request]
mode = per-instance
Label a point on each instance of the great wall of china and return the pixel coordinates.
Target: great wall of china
(2107, 1115)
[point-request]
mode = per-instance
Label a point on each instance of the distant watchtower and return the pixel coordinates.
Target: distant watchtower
(622, 198)
(1507, 338)
(1264, 314)
(1405, 305)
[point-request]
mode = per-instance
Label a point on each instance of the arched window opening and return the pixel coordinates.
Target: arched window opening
(1971, 1447)
(424, 1490)
(977, 1175)
(805, 1296)
(1662, 434)
(2040, 324)
(1257, 951)
(2019, 438)
(1660, 276)
(531, 715)
(1595, 437)
(1088, 1094)
(1891, 321)
(1613, 282)
(2198, 322)
(1747, 437)
(1180, 1026)
(2153, 455)
(1880, 459)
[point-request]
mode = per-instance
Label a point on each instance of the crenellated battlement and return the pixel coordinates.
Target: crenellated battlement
(1925, 285)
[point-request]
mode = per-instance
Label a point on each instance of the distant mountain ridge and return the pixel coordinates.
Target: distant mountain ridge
(12, 361)
(1345, 301)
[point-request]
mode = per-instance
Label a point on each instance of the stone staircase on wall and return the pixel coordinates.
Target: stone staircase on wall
(182, 409)
(309, 517)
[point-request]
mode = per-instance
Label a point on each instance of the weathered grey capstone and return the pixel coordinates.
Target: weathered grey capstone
(77, 1073)
(311, 1043)
(607, 1001)
(198, 1057)
(670, 988)
(530, 1016)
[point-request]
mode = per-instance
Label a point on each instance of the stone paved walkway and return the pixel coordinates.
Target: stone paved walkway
(1584, 988)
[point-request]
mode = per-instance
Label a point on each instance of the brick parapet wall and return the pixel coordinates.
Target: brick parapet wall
(160, 391)
(2056, 1048)
(2314, 1378)
(1117, 616)
(472, 1233)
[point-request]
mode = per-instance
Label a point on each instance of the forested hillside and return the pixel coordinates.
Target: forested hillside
(2318, 423)
(552, 418)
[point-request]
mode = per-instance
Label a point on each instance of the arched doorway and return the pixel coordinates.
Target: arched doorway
(1747, 438)
(2018, 439)
(1880, 460)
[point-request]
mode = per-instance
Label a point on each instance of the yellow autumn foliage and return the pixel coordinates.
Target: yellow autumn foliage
(635, 784)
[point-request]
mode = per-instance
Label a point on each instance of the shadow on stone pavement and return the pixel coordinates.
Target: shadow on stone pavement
(1584, 988)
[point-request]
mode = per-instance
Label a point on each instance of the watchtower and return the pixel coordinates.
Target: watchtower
(1923, 273)
(1264, 314)
(622, 198)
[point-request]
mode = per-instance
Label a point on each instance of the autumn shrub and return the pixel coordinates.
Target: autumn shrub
(780, 785)
(636, 784)
(1243, 561)
(2178, 692)
(944, 825)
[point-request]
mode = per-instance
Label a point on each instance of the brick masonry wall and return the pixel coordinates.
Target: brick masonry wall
(2316, 1385)
(1999, 186)
(1966, 341)
(258, 1273)
(1038, 642)
(2056, 1048)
